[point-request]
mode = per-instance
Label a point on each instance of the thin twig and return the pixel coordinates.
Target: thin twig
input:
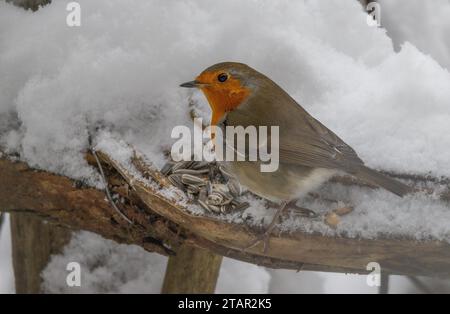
(108, 194)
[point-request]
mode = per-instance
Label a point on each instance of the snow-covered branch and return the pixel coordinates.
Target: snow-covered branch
(161, 223)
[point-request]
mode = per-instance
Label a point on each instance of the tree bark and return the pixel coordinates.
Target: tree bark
(192, 270)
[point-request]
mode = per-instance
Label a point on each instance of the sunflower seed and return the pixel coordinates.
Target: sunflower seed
(192, 180)
(214, 208)
(235, 202)
(194, 189)
(242, 206)
(225, 172)
(200, 165)
(227, 197)
(190, 171)
(234, 187)
(204, 205)
(210, 184)
(209, 187)
(202, 195)
(165, 170)
(181, 165)
(223, 188)
(226, 208)
(190, 195)
(214, 199)
(175, 179)
(191, 163)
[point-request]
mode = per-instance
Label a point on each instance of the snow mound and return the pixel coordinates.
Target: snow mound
(108, 267)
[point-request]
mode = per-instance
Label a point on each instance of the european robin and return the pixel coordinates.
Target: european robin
(309, 153)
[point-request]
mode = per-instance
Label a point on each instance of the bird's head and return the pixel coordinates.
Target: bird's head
(226, 85)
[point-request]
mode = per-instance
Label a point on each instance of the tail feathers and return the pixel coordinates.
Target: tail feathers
(374, 177)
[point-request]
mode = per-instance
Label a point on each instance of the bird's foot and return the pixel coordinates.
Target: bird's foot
(303, 212)
(317, 196)
(265, 237)
(298, 210)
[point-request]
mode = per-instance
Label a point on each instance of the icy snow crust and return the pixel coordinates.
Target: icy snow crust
(119, 73)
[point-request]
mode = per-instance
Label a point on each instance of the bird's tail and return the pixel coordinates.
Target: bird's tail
(374, 177)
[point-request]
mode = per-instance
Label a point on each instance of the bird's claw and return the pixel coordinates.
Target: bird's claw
(304, 212)
(265, 237)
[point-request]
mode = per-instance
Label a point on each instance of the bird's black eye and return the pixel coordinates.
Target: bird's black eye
(222, 77)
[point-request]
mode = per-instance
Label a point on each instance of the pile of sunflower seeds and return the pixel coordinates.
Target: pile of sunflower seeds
(206, 183)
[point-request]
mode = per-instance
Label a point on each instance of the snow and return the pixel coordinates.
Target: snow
(285, 281)
(138, 52)
(116, 78)
(425, 24)
(108, 267)
(105, 267)
(6, 269)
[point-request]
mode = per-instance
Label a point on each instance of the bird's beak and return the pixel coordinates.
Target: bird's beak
(191, 84)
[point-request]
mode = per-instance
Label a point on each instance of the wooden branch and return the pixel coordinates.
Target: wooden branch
(162, 225)
(33, 243)
(192, 270)
(66, 202)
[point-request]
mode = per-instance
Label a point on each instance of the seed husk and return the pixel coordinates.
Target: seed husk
(194, 189)
(214, 199)
(226, 197)
(202, 195)
(209, 184)
(219, 187)
(181, 165)
(242, 206)
(226, 208)
(214, 208)
(175, 179)
(234, 187)
(204, 205)
(209, 187)
(225, 172)
(189, 179)
(190, 171)
(200, 165)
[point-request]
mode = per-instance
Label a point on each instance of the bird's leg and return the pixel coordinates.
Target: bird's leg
(317, 196)
(266, 235)
(300, 211)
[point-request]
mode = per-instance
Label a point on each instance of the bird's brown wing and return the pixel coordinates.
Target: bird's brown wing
(314, 145)
(303, 140)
